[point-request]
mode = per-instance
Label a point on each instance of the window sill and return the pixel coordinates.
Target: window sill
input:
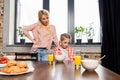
(73, 45)
(94, 48)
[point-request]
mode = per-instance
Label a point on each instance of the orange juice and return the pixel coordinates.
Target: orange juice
(77, 60)
(50, 57)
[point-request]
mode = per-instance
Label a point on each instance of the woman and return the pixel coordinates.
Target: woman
(43, 34)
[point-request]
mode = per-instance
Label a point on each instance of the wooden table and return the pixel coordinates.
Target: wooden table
(62, 71)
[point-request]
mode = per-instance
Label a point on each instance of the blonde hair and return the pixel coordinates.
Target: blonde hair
(65, 35)
(40, 13)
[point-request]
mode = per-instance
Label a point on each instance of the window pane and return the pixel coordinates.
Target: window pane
(86, 12)
(58, 15)
(27, 12)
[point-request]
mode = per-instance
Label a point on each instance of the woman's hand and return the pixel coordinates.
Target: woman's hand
(35, 42)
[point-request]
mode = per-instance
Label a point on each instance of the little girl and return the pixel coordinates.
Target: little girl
(64, 48)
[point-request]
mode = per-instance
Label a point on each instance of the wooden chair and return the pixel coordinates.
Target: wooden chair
(23, 56)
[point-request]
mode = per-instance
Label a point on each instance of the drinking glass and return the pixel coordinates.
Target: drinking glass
(50, 57)
(77, 60)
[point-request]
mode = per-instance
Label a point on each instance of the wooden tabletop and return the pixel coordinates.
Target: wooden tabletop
(62, 71)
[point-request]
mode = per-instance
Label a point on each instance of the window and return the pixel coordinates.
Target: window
(58, 15)
(85, 12)
(27, 13)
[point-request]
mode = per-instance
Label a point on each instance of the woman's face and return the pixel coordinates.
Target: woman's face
(65, 43)
(44, 20)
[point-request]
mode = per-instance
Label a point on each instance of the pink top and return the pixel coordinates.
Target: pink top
(43, 42)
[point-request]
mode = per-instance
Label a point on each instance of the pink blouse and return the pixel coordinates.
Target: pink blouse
(44, 41)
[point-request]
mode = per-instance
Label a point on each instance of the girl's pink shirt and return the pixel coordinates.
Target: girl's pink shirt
(44, 42)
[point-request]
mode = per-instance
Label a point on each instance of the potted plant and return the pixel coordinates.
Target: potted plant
(89, 32)
(20, 34)
(79, 31)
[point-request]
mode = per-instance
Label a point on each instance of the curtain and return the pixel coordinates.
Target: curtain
(110, 22)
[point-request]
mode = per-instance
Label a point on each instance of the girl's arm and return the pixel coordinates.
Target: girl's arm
(70, 52)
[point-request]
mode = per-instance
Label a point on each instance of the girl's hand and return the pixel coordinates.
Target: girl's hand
(67, 59)
(59, 51)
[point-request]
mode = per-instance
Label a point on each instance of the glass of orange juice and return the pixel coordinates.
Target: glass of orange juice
(77, 61)
(50, 57)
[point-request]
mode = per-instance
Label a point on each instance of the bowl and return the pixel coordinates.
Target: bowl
(90, 64)
(59, 58)
(2, 65)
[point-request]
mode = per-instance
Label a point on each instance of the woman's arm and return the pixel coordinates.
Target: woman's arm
(55, 38)
(26, 31)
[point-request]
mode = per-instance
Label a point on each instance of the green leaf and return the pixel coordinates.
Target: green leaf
(19, 31)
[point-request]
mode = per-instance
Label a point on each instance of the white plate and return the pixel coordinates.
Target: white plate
(2, 65)
(31, 69)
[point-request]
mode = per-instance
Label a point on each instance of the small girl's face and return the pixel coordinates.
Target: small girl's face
(65, 43)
